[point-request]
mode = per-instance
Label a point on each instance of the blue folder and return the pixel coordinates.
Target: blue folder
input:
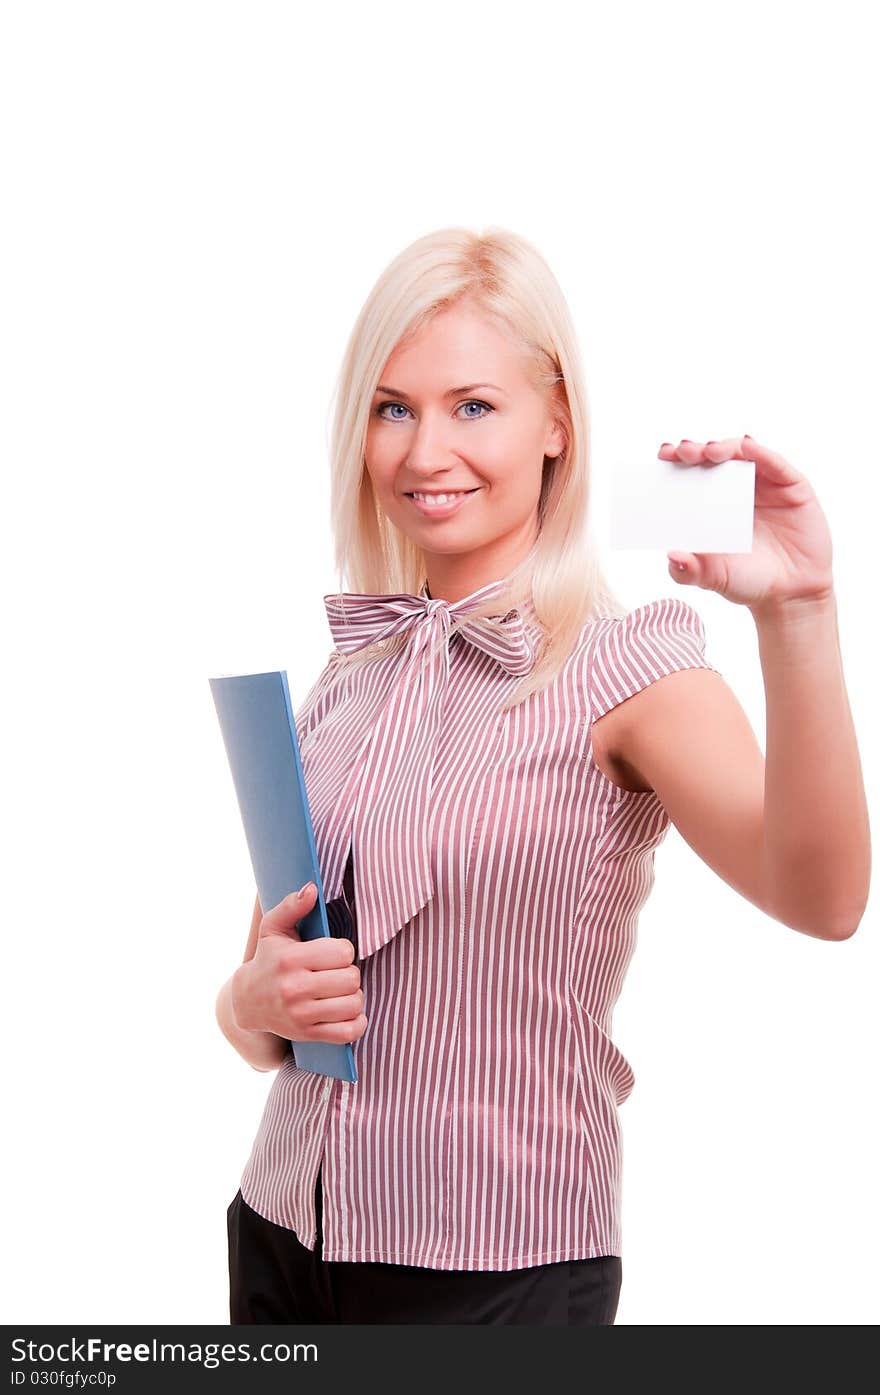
(259, 733)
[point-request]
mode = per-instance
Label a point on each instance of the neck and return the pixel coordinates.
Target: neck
(451, 578)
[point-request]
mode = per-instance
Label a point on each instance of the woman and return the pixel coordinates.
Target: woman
(492, 754)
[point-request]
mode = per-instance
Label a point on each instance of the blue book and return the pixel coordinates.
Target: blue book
(259, 733)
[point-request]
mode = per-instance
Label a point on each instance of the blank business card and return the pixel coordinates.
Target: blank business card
(689, 508)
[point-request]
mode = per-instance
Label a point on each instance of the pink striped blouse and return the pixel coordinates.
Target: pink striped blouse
(498, 877)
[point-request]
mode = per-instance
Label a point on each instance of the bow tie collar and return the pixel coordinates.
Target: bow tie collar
(383, 812)
(357, 620)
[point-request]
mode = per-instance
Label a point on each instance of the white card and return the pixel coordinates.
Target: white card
(685, 508)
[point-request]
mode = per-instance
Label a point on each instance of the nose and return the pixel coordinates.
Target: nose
(430, 445)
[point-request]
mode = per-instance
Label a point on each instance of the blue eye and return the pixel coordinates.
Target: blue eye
(380, 410)
(471, 402)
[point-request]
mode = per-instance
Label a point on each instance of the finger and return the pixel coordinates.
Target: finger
(726, 449)
(349, 1030)
(770, 464)
(687, 452)
(329, 952)
(282, 919)
(335, 981)
(682, 566)
(773, 466)
(345, 1009)
(701, 452)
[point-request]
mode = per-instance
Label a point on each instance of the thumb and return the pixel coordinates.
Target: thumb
(682, 567)
(282, 919)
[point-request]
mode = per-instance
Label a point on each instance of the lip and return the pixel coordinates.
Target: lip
(446, 511)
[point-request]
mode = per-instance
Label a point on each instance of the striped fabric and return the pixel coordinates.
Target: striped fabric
(482, 1132)
(383, 814)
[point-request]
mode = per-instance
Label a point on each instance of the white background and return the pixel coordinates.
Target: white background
(198, 198)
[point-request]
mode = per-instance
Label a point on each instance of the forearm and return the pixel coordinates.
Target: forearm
(817, 849)
(262, 1050)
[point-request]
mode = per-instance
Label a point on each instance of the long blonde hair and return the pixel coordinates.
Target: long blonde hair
(506, 278)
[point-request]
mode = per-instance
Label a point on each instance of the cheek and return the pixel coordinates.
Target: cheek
(378, 470)
(381, 463)
(507, 457)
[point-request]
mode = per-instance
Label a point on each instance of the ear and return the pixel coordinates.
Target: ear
(555, 443)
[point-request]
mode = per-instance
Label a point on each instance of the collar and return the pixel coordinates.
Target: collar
(358, 619)
(384, 812)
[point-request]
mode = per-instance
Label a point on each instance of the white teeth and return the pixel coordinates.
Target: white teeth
(439, 498)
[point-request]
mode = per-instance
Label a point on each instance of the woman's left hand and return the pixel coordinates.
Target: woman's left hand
(790, 558)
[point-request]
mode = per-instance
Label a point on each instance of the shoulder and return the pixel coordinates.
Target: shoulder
(669, 618)
(630, 708)
(630, 652)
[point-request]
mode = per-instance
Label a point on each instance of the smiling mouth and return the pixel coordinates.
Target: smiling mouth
(440, 493)
(442, 504)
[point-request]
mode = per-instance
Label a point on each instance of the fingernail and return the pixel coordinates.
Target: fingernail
(307, 889)
(747, 437)
(686, 441)
(711, 443)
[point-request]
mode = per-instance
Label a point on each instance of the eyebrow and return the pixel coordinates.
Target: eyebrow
(453, 392)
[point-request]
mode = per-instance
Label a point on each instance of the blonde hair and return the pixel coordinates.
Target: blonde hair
(506, 278)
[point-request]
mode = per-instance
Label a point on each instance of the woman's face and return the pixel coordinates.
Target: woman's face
(455, 413)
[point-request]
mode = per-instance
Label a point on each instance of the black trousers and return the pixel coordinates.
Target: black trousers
(275, 1279)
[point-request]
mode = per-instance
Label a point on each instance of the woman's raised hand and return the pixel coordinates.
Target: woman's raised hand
(790, 558)
(304, 990)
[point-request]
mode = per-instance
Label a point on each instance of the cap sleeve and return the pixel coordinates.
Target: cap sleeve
(635, 649)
